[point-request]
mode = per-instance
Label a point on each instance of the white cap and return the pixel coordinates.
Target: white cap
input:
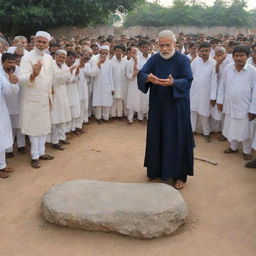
(44, 34)
(60, 51)
(104, 47)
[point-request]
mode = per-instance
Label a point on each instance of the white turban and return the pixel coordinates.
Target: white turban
(104, 47)
(44, 34)
(61, 52)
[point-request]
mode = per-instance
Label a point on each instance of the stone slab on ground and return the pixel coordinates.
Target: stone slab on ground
(141, 210)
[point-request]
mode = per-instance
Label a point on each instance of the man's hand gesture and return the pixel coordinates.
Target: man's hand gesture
(36, 70)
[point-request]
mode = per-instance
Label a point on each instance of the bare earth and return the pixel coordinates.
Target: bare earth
(221, 199)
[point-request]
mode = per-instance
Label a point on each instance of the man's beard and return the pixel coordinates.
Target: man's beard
(39, 52)
(167, 56)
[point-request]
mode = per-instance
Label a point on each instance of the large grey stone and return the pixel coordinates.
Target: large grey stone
(141, 210)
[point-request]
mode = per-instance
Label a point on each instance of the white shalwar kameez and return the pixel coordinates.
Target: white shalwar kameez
(237, 93)
(119, 80)
(60, 113)
(200, 93)
(6, 138)
(13, 105)
(36, 100)
(134, 103)
(73, 99)
(102, 90)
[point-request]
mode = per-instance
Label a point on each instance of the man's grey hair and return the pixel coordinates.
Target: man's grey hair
(60, 51)
(86, 49)
(18, 38)
(167, 33)
(219, 49)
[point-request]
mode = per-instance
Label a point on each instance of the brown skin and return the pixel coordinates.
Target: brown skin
(240, 59)
(41, 43)
(60, 59)
(204, 53)
(9, 68)
(119, 53)
(254, 55)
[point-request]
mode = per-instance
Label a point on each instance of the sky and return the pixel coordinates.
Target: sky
(251, 3)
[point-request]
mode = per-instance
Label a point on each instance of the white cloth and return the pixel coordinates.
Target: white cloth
(44, 34)
(58, 133)
(60, 112)
(6, 137)
(21, 142)
(2, 160)
(236, 128)
(37, 146)
(237, 91)
(250, 61)
(134, 101)
(102, 113)
(234, 144)
(73, 95)
(103, 85)
(203, 120)
(201, 85)
(119, 78)
(117, 108)
(36, 96)
(13, 99)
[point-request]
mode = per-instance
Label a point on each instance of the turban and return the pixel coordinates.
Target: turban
(44, 34)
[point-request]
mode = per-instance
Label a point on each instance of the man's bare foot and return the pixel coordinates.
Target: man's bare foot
(179, 184)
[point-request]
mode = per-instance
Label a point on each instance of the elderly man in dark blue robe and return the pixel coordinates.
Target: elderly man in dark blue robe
(170, 143)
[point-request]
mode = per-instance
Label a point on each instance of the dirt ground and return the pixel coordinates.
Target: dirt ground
(221, 199)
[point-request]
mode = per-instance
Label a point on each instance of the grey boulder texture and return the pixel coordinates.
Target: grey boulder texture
(140, 210)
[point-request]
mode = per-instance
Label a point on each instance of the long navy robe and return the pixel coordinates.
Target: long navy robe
(170, 141)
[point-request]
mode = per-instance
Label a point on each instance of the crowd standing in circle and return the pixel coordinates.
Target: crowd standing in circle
(53, 87)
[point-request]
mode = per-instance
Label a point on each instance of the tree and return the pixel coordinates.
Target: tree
(27, 16)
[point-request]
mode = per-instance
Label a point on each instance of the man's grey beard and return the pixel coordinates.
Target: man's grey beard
(39, 52)
(167, 56)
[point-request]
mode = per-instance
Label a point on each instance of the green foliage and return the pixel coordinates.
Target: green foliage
(27, 16)
(193, 12)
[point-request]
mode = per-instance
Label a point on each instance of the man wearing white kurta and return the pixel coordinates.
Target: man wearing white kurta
(13, 103)
(217, 118)
(133, 94)
(143, 57)
(6, 138)
(202, 69)
(82, 84)
(60, 112)
(103, 87)
(237, 100)
(36, 77)
(118, 65)
(72, 91)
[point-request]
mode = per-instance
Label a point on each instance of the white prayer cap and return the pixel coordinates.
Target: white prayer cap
(44, 34)
(104, 47)
(61, 52)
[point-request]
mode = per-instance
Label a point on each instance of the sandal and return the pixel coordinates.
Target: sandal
(46, 157)
(247, 156)
(230, 151)
(3, 174)
(35, 163)
(7, 169)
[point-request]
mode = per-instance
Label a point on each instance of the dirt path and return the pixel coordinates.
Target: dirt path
(221, 200)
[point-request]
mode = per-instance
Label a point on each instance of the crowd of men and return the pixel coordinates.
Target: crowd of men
(52, 87)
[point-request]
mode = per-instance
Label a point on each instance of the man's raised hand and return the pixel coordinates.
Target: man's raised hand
(152, 79)
(36, 70)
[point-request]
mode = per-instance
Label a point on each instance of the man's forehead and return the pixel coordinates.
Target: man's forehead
(165, 39)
